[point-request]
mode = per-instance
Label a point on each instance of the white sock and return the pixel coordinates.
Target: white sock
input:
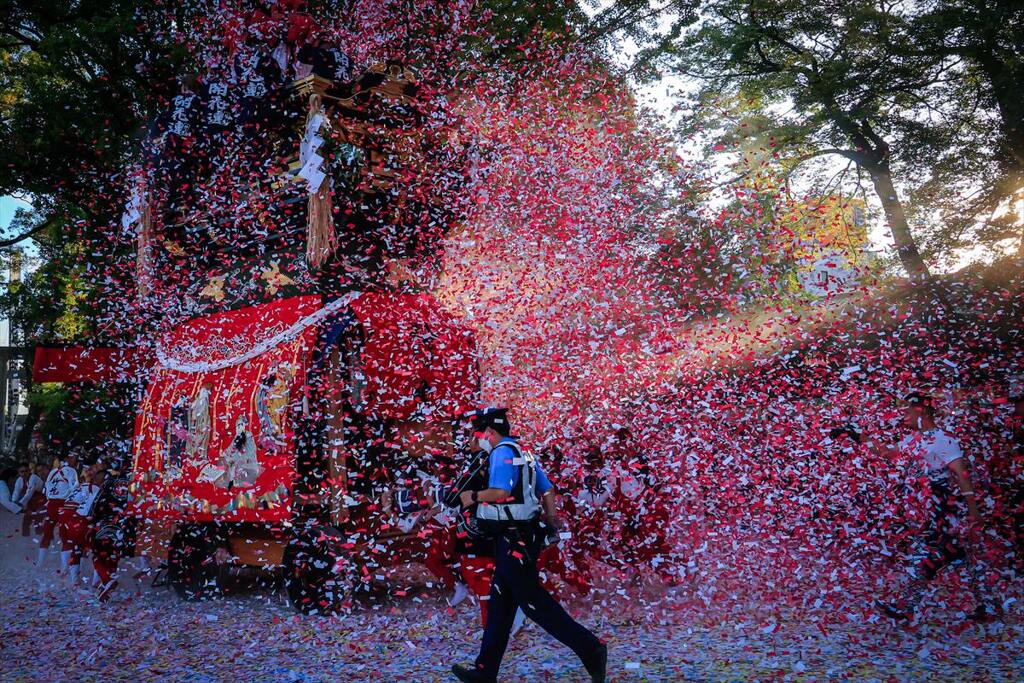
(75, 570)
(41, 555)
(65, 559)
(95, 578)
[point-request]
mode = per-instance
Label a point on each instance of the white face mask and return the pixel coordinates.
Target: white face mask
(484, 444)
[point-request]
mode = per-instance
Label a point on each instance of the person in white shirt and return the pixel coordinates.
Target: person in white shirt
(7, 479)
(74, 520)
(28, 493)
(942, 460)
(59, 483)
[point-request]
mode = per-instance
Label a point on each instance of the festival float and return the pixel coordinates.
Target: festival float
(287, 213)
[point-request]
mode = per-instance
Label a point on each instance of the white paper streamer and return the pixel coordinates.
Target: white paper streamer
(262, 347)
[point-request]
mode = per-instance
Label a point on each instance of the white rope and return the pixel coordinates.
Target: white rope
(262, 347)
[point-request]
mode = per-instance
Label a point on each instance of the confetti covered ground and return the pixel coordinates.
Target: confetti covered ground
(654, 635)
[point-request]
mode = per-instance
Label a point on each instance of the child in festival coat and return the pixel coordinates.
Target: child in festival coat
(61, 480)
(74, 521)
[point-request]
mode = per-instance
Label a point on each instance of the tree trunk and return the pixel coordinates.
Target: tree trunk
(1004, 80)
(1004, 74)
(896, 217)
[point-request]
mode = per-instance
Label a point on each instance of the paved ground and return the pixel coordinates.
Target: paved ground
(146, 634)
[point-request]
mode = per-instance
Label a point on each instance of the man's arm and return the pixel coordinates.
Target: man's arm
(7, 501)
(499, 471)
(485, 496)
(882, 450)
(26, 496)
(963, 480)
(548, 501)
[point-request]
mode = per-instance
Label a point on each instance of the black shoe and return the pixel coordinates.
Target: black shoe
(597, 664)
(892, 612)
(470, 674)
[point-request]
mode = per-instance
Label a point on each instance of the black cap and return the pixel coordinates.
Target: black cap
(490, 417)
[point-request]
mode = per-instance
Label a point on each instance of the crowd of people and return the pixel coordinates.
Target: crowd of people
(928, 496)
(83, 508)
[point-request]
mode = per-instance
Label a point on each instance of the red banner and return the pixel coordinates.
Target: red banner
(81, 364)
(214, 435)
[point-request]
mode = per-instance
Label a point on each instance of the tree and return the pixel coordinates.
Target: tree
(985, 40)
(78, 79)
(850, 84)
(77, 82)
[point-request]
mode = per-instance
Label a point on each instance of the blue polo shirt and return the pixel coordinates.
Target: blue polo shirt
(504, 475)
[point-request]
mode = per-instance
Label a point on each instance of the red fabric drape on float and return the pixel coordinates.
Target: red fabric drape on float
(416, 356)
(214, 435)
(214, 438)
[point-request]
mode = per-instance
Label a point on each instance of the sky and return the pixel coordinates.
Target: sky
(8, 205)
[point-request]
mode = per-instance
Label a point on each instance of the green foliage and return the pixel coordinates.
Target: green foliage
(86, 418)
(72, 90)
(46, 306)
(915, 95)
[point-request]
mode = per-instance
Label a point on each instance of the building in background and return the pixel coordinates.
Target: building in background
(831, 243)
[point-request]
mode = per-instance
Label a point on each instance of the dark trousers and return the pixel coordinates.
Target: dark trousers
(942, 547)
(516, 584)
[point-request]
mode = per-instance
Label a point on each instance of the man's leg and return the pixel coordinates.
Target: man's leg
(520, 576)
(440, 553)
(28, 515)
(942, 550)
(73, 536)
(67, 542)
(501, 611)
(104, 561)
(477, 573)
(49, 526)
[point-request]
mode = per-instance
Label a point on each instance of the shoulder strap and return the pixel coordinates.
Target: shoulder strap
(514, 446)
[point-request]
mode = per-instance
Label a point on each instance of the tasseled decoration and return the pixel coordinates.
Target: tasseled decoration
(140, 210)
(320, 238)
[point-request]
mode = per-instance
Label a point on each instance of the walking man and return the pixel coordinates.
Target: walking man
(511, 508)
(949, 481)
(28, 492)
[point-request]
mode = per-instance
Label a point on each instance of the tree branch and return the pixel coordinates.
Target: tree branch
(856, 157)
(25, 235)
